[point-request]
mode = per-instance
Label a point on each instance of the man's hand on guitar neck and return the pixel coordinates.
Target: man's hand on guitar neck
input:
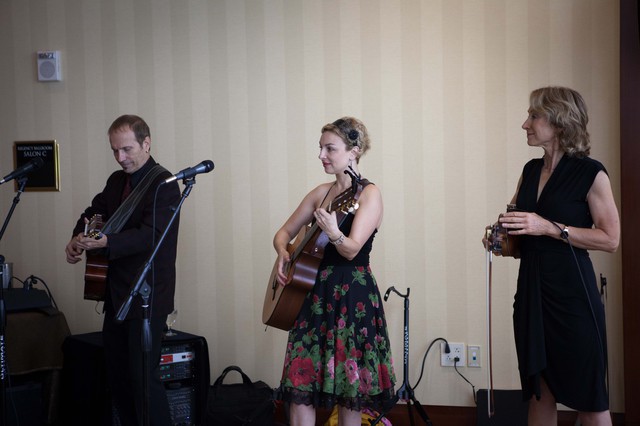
(74, 253)
(80, 243)
(91, 243)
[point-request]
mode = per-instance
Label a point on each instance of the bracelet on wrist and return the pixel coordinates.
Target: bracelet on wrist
(338, 240)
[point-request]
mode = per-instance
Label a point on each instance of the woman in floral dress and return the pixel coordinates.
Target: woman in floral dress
(338, 349)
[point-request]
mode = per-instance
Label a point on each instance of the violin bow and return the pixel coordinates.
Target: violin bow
(489, 277)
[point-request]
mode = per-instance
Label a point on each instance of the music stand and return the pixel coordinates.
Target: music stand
(405, 393)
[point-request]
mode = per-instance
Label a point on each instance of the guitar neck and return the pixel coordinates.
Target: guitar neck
(341, 205)
(311, 234)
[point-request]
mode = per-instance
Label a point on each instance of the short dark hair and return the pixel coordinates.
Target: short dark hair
(137, 125)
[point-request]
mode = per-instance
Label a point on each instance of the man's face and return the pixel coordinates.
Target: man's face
(127, 151)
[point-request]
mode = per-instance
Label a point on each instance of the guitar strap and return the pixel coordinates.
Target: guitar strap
(123, 213)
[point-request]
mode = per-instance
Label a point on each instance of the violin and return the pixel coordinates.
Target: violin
(500, 242)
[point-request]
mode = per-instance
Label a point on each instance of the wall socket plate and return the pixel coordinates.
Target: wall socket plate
(456, 350)
(473, 356)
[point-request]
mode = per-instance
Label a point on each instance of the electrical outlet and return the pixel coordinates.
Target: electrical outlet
(473, 356)
(456, 351)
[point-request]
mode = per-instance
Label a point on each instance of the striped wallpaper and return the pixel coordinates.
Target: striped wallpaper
(442, 86)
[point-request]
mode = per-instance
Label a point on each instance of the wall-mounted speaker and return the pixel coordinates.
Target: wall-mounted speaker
(49, 65)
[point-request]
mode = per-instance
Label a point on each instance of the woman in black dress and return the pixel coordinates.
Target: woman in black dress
(338, 351)
(565, 207)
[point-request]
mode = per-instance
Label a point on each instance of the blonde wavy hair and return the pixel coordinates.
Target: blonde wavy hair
(566, 111)
(353, 132)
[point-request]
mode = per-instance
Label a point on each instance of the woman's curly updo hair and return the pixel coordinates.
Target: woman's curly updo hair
(352, 132)
(566, 111)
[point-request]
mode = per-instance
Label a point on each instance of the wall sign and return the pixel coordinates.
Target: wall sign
(47, 177)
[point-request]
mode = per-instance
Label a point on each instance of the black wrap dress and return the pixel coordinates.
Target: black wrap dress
(559, 319)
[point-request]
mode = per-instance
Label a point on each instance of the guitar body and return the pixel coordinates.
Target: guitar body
(95, 276)
(97, 264)
(282, 303)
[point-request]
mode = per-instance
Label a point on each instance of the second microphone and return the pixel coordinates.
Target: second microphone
(204, 167)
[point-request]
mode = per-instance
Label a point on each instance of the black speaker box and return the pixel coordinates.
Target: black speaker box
(509, 409)
(20, 300)
(24, 405)
(85, 395)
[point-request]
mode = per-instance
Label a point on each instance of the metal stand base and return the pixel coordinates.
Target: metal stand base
(405, 393)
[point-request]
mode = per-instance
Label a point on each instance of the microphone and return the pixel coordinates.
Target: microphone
(204, 167)
(32, 165)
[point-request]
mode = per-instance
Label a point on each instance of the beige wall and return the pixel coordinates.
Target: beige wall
(442, 85)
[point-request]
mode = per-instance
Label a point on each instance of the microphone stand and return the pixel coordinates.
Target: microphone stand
(142, 288)
(405, 392)
(3, 353)
(4, 372)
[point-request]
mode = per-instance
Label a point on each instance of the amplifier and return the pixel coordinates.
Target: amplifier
(184, 367)
(176, 362)
(182, 403)
(174, 354)
(177, 368)
(176, 371)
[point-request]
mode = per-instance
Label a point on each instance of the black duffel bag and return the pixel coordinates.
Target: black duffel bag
(240, 404)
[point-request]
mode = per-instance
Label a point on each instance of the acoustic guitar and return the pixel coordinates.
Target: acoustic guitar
(282, 303)
(95, 274)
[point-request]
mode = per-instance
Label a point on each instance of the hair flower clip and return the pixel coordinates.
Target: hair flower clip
(353, 135)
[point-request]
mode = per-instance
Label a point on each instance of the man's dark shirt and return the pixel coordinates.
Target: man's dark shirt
(129, 249)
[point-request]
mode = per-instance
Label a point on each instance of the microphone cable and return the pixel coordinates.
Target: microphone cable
(565, 236)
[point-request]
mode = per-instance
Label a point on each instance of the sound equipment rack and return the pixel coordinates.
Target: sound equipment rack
(184, 367)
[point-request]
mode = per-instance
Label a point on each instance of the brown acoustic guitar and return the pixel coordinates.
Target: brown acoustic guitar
(95, 274)
(282, 303)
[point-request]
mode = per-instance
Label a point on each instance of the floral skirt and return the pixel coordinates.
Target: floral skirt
(338, 350)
